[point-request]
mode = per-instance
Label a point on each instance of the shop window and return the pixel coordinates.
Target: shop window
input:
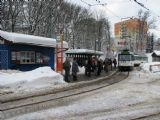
(15, 57)
(42, 59)
(27, 57)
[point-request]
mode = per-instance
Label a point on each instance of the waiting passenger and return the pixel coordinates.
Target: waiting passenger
(93, 64)
(105, 65)
(115, 63)
(99, 67)
(75, 69)
(66, 66)
(88, 67)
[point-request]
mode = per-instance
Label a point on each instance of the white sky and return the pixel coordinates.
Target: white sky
(117, 9)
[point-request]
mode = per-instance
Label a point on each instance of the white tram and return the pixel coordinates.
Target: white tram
(140, 58)
(125, 60)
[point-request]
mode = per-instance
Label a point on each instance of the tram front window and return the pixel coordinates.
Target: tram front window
(124, 57)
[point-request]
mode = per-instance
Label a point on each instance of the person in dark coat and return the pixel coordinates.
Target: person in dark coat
(88, 67)
(75, 69)
(99, 67)
(106, 65)
(110, 63)
(115, 63)
(66, 66)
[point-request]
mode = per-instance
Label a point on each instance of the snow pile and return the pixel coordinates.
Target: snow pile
(151, 67)
(81, 70)
(145, 75)
(39, 78)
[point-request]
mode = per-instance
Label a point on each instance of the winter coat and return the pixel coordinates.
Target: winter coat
(75, 68)
(115, 61)
(66, 65)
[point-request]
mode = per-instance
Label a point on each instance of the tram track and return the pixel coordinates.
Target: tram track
(12, 97)
(17, 106)
(148, 116)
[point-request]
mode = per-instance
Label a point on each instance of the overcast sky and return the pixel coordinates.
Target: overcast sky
(115, 10)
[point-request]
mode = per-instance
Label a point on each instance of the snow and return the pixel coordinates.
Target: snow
(86, 51)
(151, 67)
(156, 52)
(81, 70)
(149, 57)
(131, 91)
(65, 45)
(30, 39)
(113, 101)
(39, 78)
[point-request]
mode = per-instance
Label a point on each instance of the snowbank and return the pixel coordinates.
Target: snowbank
(39, 78)
(81, 70)
(151, 67)
(8, 78)
(145, 75)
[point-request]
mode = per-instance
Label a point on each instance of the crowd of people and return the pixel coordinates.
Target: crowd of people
(97, 65)
(92, 65)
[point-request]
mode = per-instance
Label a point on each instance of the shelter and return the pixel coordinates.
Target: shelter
(82, 55)
(156, 56)
(26, 52)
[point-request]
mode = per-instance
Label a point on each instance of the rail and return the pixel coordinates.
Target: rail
(22, 106)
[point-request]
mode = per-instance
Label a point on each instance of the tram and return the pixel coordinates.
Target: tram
(140, 58)
(125, 60)
(82, 55)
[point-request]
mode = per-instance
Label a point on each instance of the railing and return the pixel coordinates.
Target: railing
(154, 68)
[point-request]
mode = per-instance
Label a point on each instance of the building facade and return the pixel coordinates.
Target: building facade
(26, 52)
(131, 34)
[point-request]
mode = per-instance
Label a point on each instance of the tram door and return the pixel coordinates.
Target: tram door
(3, 59)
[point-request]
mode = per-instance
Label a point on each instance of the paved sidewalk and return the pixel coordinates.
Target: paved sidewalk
(83, 77)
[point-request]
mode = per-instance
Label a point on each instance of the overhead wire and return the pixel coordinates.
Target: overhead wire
(109, 10)
(142, 5)
(85, 2)
(103, 4)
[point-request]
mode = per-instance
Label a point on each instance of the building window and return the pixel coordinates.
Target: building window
(42, 59)
(27, 57)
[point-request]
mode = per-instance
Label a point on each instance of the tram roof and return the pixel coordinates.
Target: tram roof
(83, 51)
(140, 54)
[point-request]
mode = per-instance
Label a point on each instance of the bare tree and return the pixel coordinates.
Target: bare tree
(144, 23)
(10, 12)
(49, 18)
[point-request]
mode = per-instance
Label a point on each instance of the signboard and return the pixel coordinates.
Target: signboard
(59, 54)
(122, 43)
